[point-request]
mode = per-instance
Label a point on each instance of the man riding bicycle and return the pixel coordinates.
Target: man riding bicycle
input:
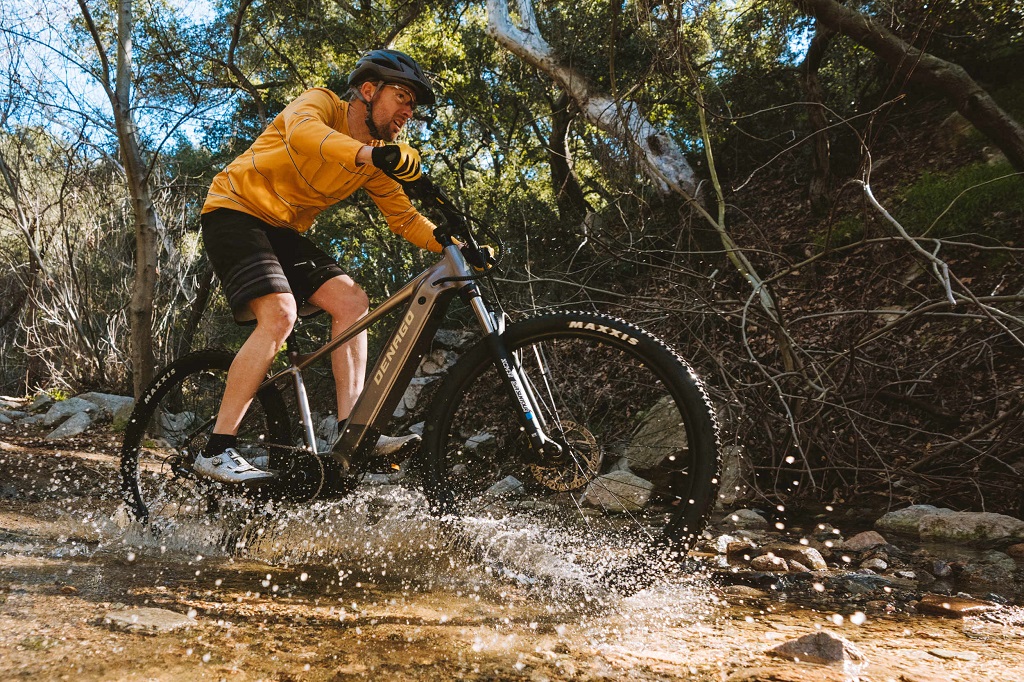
(315, 153)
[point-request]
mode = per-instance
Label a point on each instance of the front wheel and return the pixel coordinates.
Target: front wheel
(639, 463)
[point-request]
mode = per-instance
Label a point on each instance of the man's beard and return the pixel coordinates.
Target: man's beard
(384, 128)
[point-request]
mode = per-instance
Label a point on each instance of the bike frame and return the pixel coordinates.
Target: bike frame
(426, 299)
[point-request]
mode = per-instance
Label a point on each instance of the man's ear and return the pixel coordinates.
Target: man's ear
(368, 89)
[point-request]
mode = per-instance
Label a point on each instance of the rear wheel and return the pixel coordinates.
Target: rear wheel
(171, 424)
(638, 472)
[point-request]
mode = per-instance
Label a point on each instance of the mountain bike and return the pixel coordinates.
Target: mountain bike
(578, 421)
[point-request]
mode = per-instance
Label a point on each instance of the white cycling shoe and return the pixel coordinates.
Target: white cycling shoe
(390, 448)
(229, 467)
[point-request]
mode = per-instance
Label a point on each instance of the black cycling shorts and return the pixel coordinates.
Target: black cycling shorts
(253, 259)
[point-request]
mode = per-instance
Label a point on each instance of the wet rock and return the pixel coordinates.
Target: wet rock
(797, 567)
(874, 564)
(618, 491)
(939, 568)
(954, 607)
(972, 528)
(66, 408)
(721, 543)
(862, 542)
(855, 583)
(485, 441)
(820, 647)
(879, 606)
(418, 428)
(808, 556)
(741, 592)
(737, 475)
(741, 548)
(147, 620)
(75, 424)
(906, 521)
(509, 485)
(9, 491)
(769, 562)
(991, 568)
(743, 519)
(5, 420)
(1016, 551)
(661, 433)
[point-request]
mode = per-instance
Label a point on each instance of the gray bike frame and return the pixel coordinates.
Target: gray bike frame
(426, 299)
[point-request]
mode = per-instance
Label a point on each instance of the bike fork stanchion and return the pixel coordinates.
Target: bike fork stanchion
(512, 376)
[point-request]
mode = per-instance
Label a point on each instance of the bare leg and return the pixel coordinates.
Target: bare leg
(275, 315)
(346, 303)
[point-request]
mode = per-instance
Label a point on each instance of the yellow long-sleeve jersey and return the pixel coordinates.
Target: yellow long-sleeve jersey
(304, 162)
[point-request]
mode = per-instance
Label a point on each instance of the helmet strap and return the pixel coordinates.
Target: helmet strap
(370, 125)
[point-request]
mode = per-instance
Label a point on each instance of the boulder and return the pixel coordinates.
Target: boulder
(661, 433)
(907, 521)
(971, 528)
(109, 404)
(618, 491)
(452, 339)
(991, 568)
(747, 519)
(861, 542)
(820, 647)
(74, 425)
(436, 361)
(42, 402)
(737, 476)
(808, 556)
(65, 408)
(412, 395)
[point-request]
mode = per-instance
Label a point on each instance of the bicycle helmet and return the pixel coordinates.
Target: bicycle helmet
(392, 66)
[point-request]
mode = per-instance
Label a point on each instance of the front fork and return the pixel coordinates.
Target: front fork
(530, 417)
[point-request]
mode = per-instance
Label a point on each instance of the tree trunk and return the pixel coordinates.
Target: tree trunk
(969, 98)
(821, 179)
(140, 308)
(572, 204)
(195, 315)
(662, 157)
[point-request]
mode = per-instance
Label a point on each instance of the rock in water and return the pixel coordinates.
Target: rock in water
(820, 647)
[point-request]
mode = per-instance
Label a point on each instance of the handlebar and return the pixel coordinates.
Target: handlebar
(456, 225)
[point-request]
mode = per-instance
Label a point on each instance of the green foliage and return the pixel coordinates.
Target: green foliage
(979, 198)
(844, 231)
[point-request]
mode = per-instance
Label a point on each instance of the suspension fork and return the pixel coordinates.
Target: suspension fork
(512, 375)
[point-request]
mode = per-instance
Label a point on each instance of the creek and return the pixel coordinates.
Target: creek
(372, 587)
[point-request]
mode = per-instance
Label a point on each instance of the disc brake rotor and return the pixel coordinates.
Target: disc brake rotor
(581, 459)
